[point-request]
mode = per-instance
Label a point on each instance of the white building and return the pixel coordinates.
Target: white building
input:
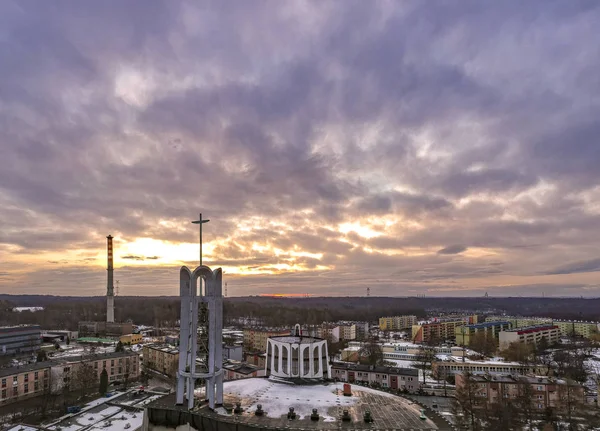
(297, 356)
(530, 335)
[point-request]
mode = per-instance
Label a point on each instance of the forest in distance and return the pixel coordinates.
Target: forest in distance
(65, 312)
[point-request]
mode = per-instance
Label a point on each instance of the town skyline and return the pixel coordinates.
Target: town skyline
(413, 148)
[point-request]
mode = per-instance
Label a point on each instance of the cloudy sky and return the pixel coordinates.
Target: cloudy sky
(413, 147)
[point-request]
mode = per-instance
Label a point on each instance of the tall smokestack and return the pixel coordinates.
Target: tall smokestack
(110, 291)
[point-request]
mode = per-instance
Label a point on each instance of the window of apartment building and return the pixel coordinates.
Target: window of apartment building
(66, 369)
(15, 391)
(95, 365)
(540, 397)
(540, 388)
(120, 370)
(26, 388)
(45, 373)
(112, 371)
(540, 406)
(112, 362)
(3, 393)
(36, 375)
(26, 377)
(120, 361)
(3, 383)
(15, 379)
(36, 386)
(103, 364)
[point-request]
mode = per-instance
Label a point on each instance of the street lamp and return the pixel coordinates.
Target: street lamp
(200, 222)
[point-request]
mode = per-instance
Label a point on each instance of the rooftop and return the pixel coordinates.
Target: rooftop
(533, 328)
(487, 324)
(389, 411)
(383, 370)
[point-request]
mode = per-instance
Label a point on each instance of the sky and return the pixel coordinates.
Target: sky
(439, 148)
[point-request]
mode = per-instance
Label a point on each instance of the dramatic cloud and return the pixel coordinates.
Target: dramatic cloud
(449, 148)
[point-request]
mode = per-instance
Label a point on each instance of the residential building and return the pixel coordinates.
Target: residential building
(131, 339)
(454, 365)
(397, 323)
(519, 321)
(255, 339)
(161, 358)
(19, 383)
(235, 370)
(582, 329)
(345, 332)
(387, 377)
(435, 331)
(362, 330)
(530, 335)
(120, 366)
(465, 333)
(20, 339)
(408, 351)
(546, 391)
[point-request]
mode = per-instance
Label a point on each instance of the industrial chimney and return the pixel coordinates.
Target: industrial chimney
(110, 291)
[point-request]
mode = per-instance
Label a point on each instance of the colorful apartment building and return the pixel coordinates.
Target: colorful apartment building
(530, 335)
(397, 323)
(578, 328)
(464, 334)
(435, 331)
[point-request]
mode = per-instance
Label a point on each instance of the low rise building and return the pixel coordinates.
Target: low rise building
(20, 383)
(530, 335)
(235, 370)
(98, 328)
(577, 328)
(131, 339)
(408, 379)
(233, 353)
(464, 334)
(435, 331)
(162, 358)
(545, 391)
(20, 339)
(397, 323)
(454, 365)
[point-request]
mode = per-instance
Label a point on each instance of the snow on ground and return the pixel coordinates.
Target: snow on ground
(277, 398)
(22, 428)
(120, 420)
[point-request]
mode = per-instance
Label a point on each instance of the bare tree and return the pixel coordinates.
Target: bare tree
(371, 353)
(424, 359)
(85, 378)
(467, 406)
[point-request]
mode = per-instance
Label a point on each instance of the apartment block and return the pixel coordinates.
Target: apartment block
(530, 335)
(20, 383)
(387, 377)
(161, 358)
(120, 366)
(547, 391)
(435, 331)
(24, 382)
(579, 328)
(397, 323)
(20, 339)
(255, 339)
(91, 328)
(520, 322)
(465, 333)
